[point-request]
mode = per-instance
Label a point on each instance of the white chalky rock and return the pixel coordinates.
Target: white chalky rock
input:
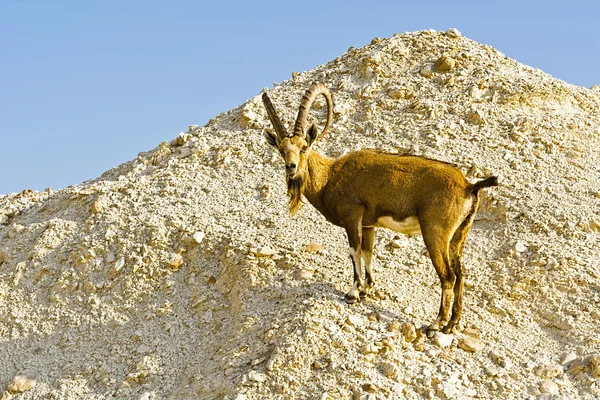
(264, 251)
(353, 320)
(520, 246)
(548, 386)
(453, 33)
(257, 376)
(442, 340)
(21, 383)
(198, 237)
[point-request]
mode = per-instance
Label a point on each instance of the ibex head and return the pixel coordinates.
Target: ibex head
(295, 147)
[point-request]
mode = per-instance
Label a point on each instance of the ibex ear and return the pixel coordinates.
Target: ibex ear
(272, 139)
(312, 134)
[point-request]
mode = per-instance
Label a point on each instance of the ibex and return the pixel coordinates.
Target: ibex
(366, 189)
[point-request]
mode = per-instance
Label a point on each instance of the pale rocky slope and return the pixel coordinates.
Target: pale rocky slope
(181, 275)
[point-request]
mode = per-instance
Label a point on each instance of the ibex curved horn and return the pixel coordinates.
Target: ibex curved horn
(309, 97)
(273, 116)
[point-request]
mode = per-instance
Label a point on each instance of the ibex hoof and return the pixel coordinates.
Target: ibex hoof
(448, 328)
(432, 329)
(364, 292)
(352, 296)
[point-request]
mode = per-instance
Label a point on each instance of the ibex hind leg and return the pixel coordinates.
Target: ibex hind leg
(436, 241)
(457, 245)
(368, 236)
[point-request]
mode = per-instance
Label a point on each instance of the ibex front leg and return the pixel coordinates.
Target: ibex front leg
(355, 240)
(368, 236)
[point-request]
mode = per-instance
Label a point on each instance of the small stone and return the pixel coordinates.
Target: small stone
(393, 326)
(304, 275)
(396, 244)
(97, 207)
(427, 71)
(562, 324)
(594, 362)
(313, 248)
(442, 340)
(338, 341)
(4, 257)
(370, 348)
(470, 344)
(432, 353)
(248, 117)
(520, 246)
(369, 388)
(567, 358)
(473, 332)
(475, 117)
(3, 219)
(375, 40)
(576, 366)
(384, 317)
(317, 364)
(453, 33)
(257, 376)
(490, 371)
(21, 383)
(353, 320)
(444, 64)
(389, 370)
(295, 74)
(548, 371)
(198, 237)
(265, 251)
(419, 343)
(176, 261)
(594, 225)
(119, 264)
(548, 386)
(409, 332)
(380, 295)
(145, 396)
(110, 257)
(500, 359)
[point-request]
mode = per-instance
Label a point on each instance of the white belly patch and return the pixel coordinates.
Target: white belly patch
(408, 226)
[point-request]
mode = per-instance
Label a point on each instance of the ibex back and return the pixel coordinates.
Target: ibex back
(366, 189)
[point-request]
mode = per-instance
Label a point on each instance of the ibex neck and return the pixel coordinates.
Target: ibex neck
(319, 167)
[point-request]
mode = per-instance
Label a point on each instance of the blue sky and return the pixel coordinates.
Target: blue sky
(87, 85)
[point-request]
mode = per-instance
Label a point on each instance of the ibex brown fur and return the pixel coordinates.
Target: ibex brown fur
(366, 189)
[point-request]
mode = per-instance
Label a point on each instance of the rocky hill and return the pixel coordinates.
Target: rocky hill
(180, 274)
